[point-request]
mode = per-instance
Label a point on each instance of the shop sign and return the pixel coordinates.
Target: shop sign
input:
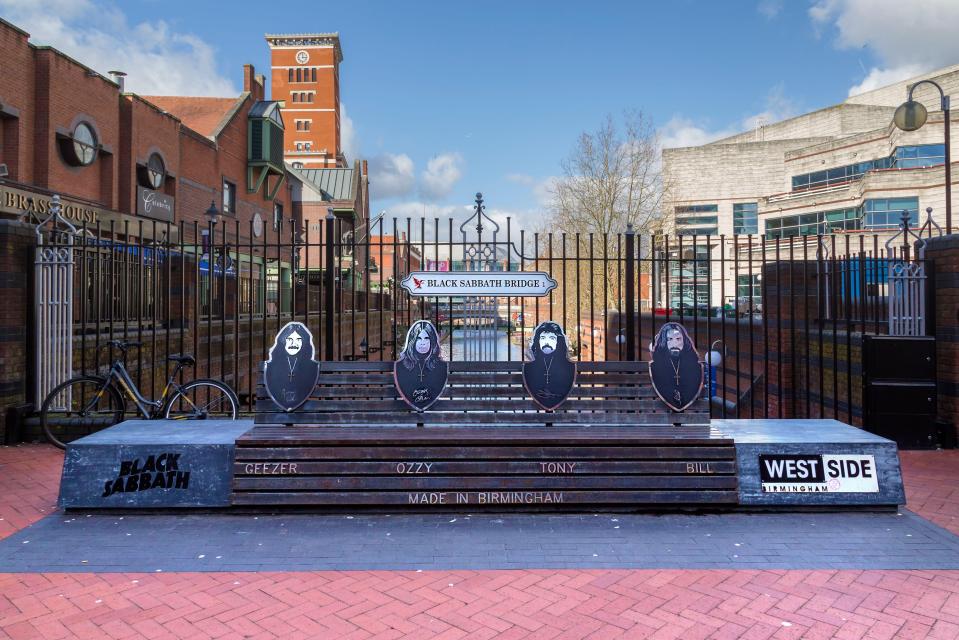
(154, 204)
(814, 473)
(18, 201)
(478, 283)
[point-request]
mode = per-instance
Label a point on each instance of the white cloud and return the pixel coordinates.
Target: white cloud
(541, 189)
(521, 178)
(683, 132)
(348, 139)
(770, 8)
(908, 38)
(441, 175)
(882, 77)
(158, 59)
(391, 175)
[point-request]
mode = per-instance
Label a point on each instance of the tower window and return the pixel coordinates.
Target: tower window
(299, 75)
(313, 74)
(291, 76)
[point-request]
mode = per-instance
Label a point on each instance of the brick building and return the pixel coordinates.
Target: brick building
(305, 80)
(135, 170)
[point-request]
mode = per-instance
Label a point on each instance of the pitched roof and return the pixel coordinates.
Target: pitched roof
(203, 115)
(333, 184)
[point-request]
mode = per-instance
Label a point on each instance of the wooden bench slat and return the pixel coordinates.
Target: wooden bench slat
(536, 499)
(453, 418)
(305, 449)
(398, 466)
(460, 366)
(475, 483)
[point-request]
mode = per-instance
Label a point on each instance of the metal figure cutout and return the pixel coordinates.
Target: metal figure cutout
(675, 369)
(420, 373)
(549, 374)
(291, 372)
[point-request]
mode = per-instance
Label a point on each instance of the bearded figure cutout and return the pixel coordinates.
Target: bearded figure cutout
(675, 369)
(291, 372)
(548, 374)
(421, 373)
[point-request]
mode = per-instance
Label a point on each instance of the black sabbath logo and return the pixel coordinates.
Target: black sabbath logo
(548, 373)
(291, 373)
(156, 472)
(675, 369)
(420, 374)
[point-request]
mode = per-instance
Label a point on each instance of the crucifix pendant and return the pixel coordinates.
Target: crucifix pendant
(677, 377)
(291, 375)
(421, 374)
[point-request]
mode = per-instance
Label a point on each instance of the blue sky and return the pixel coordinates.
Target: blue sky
(496, 93)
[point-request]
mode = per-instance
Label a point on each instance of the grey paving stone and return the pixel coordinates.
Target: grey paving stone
(300, 542)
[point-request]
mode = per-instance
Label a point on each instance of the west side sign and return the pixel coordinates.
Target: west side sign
(818, 473)
(478, 283)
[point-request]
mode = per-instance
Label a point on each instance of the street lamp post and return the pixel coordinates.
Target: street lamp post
(910, 116)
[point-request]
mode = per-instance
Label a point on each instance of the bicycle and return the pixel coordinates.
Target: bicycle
(86, 403)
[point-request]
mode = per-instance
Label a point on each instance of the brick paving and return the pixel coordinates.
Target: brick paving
(597, 604)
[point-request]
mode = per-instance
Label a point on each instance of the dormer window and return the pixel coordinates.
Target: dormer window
(79, 148)
(153, 174)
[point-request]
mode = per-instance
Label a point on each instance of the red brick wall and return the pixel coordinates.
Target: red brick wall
(66, 94)
(16, 93)
(325, 129)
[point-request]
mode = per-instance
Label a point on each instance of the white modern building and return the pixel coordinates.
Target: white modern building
(844, 170)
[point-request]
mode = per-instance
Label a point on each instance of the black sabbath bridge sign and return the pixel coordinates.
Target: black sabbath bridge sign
(484, 284)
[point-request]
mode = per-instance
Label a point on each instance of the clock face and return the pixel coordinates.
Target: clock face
(302, 57)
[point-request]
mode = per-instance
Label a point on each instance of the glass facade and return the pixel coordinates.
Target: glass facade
(745, 218)
(689, 277)
(887, 212)
(699, 225)
(908, 157)
(748, 289)
(876, 213)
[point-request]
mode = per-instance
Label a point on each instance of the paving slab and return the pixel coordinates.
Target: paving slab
(299, 542)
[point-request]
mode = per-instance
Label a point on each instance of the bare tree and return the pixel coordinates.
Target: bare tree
(611, 179)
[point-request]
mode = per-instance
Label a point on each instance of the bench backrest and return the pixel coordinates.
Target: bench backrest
(481, 393)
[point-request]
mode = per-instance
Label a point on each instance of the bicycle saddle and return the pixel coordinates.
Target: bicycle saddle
(183, 359)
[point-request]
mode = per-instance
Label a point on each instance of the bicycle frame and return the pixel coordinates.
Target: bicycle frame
(148, 408)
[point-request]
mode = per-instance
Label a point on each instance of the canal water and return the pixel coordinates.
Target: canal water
(490, 342)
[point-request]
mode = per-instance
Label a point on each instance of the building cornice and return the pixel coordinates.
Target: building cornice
(306, 40)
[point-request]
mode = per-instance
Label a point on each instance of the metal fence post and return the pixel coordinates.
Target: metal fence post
(330, 283)
(630, 294)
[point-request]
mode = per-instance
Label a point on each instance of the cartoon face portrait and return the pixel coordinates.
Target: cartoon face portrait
(423, 343)
(420, 373)
(674, 341)
(548, 373)
(293, 343)
(547, 342)
(675, 369)
(290, 373)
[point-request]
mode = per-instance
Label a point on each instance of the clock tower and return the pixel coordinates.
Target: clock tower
(305, 80)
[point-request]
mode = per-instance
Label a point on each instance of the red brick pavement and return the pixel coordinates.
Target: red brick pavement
(479, 604)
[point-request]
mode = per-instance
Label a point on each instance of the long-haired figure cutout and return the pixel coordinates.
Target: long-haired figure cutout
(548, 373)
(675, 369)
(421, 373)
(291, 372)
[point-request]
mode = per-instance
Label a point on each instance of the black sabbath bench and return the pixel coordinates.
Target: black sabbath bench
(484, 442)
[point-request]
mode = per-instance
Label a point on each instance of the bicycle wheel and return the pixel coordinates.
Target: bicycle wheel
(79, 407)
(203, 400)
